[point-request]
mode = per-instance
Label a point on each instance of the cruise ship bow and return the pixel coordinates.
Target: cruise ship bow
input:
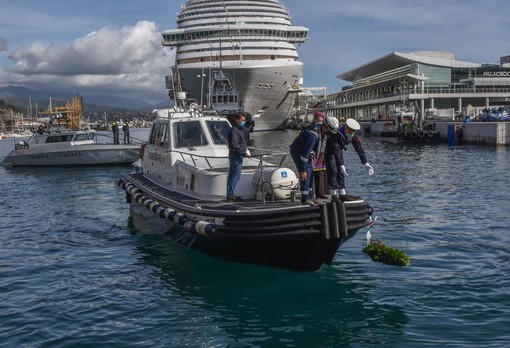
(254, 42)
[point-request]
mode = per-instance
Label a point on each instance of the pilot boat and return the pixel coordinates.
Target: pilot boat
(179, 189)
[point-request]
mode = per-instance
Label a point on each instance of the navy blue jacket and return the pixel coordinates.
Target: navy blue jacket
(306, 142)
(236, 140)
(336, 143)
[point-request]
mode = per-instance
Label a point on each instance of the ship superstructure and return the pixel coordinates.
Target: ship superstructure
(251, 41)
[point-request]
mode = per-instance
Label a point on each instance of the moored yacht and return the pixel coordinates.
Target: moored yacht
(64, 144)
(251, 41)
(69, 148)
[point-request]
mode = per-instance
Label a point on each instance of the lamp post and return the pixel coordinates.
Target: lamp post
(202, 88)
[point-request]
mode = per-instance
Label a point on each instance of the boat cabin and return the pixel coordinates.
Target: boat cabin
(73, 137)
(188, 153)
(180, 145)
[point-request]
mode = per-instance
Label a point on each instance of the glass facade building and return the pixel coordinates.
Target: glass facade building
(426, 83)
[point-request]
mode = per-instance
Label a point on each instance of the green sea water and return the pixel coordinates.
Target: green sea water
(76, 270)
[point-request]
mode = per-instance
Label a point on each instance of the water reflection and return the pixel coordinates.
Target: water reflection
(254, 305)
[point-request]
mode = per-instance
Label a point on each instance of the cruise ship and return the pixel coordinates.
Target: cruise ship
(252, 41)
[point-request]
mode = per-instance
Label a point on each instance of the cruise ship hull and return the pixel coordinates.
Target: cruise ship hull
(267, 92)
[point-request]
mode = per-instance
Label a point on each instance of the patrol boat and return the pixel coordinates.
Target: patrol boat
(69, 148)
(179, 189)
(63, 144)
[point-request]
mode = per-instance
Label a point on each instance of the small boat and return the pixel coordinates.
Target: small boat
(405, 128)
(64, 144)
(69, 148)
(16, 134)
(179, 190)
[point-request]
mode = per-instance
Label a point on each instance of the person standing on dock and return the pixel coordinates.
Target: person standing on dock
(236, 151)
(336, 144)
(308, 141)
(115, 130)
(125, 130)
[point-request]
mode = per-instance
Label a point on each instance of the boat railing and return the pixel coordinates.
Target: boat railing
(261, 158)
(132, 139)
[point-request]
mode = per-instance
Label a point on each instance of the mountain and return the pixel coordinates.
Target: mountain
(20, 96)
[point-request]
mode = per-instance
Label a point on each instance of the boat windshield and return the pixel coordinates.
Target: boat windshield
(219, 131)
(189, 134)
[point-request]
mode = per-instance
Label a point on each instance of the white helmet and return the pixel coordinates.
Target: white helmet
(332, 124)
(352, 124)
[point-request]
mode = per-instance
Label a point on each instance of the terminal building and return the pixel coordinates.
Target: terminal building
(428, 83)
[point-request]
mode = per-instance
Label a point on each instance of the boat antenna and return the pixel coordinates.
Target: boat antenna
(180, 96)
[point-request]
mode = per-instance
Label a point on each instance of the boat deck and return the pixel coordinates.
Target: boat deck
(224, 205)
(192, 204)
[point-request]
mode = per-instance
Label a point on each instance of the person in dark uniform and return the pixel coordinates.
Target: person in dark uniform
(125, 130)
(320, 178)
(308, 141)
(335, 146)
(115, 130)
(236, 153)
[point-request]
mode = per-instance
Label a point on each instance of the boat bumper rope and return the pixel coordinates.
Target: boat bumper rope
(133, 193)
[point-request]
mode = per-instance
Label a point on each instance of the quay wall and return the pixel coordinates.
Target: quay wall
(480, 133)
(476, 133)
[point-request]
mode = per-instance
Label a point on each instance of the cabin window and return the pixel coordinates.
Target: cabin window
(159, 134)
(154, 131)
(80, 137)
(59, 138)
(219, 131)
(162, 135)
(189, 134)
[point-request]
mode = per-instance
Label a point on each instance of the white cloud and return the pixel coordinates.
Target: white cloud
(129, 60)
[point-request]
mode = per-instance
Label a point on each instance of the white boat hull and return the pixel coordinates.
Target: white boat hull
(67, 155)
(267, 92)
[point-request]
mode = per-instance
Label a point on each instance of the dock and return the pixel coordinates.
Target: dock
(478, 133)
(473, 133)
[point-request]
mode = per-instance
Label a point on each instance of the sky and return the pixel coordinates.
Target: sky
(114, 47)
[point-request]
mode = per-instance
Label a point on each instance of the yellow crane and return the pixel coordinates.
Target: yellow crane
(68, 115)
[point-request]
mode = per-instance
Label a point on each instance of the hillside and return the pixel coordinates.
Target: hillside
(6, 112)
(22, 97)
(7, 109)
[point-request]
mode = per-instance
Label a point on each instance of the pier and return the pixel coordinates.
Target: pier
(473, 133)
(479, 133)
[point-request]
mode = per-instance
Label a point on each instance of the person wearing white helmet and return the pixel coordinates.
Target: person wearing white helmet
(310, 140)
(335, 146)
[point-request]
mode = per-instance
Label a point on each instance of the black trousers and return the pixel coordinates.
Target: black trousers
(320, 183)
(336, 179)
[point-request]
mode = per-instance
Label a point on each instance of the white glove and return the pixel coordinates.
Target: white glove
(342, 169)
(248, 153)
(369, 169)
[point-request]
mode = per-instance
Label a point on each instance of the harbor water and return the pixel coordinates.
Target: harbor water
(76, 270)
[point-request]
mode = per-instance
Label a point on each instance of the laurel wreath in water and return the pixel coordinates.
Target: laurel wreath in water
(385, 254)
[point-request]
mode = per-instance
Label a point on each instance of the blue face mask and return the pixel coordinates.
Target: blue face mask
(348, 135)
(243, 123)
